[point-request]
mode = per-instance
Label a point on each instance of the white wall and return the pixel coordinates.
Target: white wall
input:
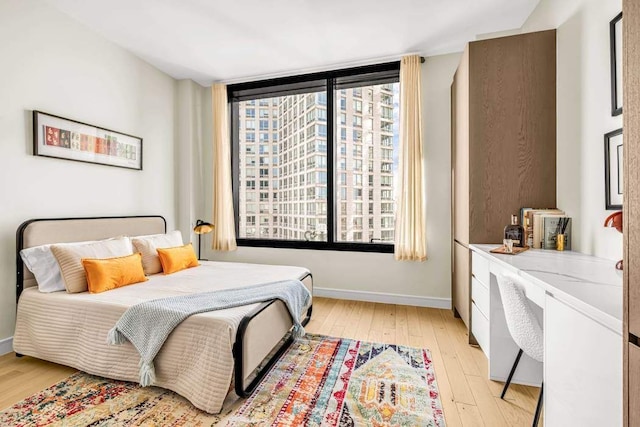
(190, 180)
(427, 282)
(584, 114)
(54, 64)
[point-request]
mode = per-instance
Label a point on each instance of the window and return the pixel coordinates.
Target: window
(310, 164)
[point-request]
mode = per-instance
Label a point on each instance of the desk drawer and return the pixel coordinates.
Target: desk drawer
(480, 268)
(480, 328)
(480, 296)
(534, 292)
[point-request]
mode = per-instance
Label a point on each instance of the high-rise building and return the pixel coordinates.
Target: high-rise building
(283, 166)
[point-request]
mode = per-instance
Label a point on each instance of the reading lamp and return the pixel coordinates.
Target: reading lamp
(201, 228)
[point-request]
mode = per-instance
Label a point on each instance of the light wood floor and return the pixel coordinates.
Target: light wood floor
(468, 397)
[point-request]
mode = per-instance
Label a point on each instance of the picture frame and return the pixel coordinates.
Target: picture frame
(613, 169)
(61, 138)
(615, 35)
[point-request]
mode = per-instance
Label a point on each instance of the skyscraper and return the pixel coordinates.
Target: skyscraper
(283, 165)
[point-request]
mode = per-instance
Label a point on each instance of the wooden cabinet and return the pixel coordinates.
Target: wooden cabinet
(461, 280)
(634, 384)
(631, 117)
(503, 141)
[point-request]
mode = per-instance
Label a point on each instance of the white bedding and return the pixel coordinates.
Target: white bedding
(196, 360)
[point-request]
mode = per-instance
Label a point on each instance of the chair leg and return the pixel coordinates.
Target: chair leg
(513, 371)
(536, 417)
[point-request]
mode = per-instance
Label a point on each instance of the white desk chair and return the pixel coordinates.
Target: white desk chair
(523, 326)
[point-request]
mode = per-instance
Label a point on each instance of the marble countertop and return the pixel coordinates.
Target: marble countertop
(589, 284)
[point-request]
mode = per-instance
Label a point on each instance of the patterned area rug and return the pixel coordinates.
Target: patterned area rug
(319, 381)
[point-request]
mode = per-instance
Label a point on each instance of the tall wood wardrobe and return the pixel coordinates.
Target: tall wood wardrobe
(503, 100)
(631, 289)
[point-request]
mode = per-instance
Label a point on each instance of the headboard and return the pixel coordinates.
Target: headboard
(37, 232)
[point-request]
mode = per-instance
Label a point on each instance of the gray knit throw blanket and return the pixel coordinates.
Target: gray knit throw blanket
(147, 325)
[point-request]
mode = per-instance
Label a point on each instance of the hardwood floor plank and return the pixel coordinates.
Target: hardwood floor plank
(514, 414)
(489, 410)
(413, 321)
(389, 320)
(332, 317)
(377, 324)
(347, 310)
(363, 326)
(457, 378)
(350, 330)
(460, 341)
(470, 415)
(402, 325)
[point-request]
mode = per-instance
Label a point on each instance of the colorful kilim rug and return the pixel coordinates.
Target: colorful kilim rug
(319, 381)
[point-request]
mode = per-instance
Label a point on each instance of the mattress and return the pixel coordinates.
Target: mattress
(196, 361)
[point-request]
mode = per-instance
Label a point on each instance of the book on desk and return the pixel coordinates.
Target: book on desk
(541, 226)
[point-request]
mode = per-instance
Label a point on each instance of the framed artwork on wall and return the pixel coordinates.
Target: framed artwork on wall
(615, 34)
(61, 138)
(613, 170)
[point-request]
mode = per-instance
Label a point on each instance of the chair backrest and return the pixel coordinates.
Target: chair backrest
(521, 320)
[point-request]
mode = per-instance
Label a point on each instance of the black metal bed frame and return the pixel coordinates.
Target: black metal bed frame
(238, 346)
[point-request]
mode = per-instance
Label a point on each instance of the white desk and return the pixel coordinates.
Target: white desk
(578, 299)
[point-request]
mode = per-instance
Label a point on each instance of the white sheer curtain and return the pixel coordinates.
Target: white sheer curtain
(224, 232)
(410, 233)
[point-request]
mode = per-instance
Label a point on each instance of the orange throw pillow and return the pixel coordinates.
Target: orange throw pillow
(178, 258)
(111, 273)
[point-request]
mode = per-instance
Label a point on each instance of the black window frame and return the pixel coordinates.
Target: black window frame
(331, 82)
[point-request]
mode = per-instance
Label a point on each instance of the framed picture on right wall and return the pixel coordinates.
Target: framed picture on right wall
(615, 34)
(613, 170)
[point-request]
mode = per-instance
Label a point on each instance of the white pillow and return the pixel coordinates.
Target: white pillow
(44, 266)
(70, 257)
(148, 246)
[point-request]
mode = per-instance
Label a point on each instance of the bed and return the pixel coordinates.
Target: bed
(203, 356)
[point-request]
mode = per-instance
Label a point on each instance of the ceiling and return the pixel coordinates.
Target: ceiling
(213, 40)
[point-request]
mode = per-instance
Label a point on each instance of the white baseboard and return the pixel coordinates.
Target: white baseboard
(6, 346)
(383, 297)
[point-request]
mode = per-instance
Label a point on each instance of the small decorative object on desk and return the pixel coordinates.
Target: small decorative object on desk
(551, 227)
(560, 238)
(515, 232)
(503, 250)
(615, 220)
(508, 245)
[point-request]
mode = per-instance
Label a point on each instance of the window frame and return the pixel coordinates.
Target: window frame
(331, 82)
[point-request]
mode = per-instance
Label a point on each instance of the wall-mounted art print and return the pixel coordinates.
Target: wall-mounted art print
(615, 34)
(62, 138)
(613, 169)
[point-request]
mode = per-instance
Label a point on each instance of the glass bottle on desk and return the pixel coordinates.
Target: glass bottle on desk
(515, 232)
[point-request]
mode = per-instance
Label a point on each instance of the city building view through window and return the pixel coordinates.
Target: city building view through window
(284, 166)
